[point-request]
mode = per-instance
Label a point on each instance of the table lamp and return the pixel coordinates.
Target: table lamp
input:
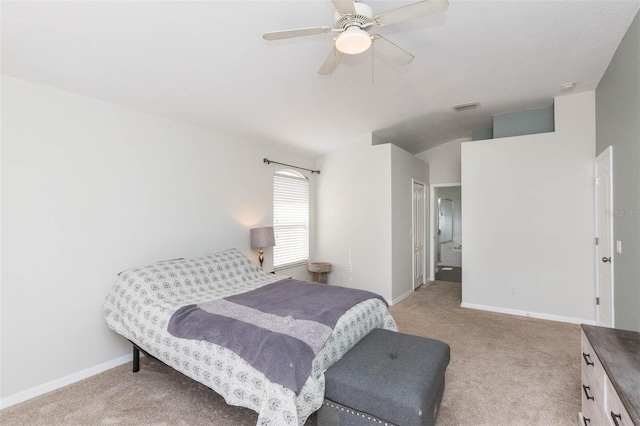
(261, 238)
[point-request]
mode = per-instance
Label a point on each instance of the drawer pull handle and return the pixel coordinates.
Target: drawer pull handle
(586, 393)
(613, 417)
(587, 358)
(586, 421)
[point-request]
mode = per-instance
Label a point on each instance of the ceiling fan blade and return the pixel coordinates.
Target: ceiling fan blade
(344, 7)
(392, 50)
(331, 62)
(279, 35)
(422, 8)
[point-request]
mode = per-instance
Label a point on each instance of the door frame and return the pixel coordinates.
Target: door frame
(432, 225)
(424, 233)
(607, 152)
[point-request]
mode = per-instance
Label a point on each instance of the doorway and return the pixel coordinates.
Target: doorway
(446, 226)
(604, 239)
(418, 232)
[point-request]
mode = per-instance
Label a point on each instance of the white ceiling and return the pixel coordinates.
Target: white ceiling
(206, 64)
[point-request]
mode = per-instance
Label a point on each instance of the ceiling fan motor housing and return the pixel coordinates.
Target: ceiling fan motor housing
(363, 17)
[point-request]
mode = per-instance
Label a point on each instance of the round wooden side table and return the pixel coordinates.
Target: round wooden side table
(320, 271)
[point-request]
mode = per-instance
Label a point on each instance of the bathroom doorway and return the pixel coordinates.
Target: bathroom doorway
(446, 226)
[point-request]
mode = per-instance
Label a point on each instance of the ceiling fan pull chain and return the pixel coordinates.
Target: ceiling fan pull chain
(373, 61)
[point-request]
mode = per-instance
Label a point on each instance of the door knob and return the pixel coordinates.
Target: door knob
(606, 259)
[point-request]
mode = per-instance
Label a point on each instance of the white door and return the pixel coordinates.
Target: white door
(417, 230)
(604, 240)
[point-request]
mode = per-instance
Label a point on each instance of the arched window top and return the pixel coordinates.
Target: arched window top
(290, 173)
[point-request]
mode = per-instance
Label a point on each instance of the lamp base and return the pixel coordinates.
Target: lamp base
(261, 256)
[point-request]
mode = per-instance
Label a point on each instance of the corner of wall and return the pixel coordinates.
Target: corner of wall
(354, 215)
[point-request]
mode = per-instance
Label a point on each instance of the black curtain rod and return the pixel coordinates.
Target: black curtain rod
(266, 160)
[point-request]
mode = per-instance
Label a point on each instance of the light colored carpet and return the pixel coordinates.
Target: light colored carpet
(504, 370)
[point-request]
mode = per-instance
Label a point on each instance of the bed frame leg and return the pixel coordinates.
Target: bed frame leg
(136, 359)
(136, 356)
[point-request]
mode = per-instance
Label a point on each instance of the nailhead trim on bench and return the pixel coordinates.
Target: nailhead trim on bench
(363, 415)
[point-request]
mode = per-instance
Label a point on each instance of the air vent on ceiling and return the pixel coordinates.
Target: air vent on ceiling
(465, 107)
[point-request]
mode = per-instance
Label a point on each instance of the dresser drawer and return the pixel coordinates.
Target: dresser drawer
(593, 393)
(592, 369)
(593, 402)
(592, 413)
(614, 408)
(593, 374)
(592, 398)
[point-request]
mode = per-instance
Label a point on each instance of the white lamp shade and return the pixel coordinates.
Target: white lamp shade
(262, 237)
(353, 40)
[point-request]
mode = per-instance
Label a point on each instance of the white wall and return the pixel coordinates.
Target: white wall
(404, 168)
(444, 162)
(354, 217)
(364, 219)
(617, 112)
(90, 189)
(528, 218)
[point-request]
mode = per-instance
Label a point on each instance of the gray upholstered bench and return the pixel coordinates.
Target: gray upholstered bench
(387, 378)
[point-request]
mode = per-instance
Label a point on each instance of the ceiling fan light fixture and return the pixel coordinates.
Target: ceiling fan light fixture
(353, 40)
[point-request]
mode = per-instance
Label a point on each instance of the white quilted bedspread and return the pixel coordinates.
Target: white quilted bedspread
(143, 299)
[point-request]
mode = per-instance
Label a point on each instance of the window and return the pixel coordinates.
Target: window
(290, 219)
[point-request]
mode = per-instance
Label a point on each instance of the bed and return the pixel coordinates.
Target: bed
(144, 299)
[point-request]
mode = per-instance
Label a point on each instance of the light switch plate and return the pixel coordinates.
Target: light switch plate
(618, 246)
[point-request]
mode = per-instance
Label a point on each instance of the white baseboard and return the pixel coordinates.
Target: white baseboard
(401, 298)
(63, 381)
(520, 313)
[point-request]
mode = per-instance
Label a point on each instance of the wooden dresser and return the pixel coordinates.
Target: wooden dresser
(610, 377)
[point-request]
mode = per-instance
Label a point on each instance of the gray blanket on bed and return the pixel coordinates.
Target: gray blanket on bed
(278, 328)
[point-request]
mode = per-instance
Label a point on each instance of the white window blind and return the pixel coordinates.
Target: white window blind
(290, 219)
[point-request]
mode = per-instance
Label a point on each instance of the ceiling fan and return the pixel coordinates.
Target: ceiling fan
(353, 21)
